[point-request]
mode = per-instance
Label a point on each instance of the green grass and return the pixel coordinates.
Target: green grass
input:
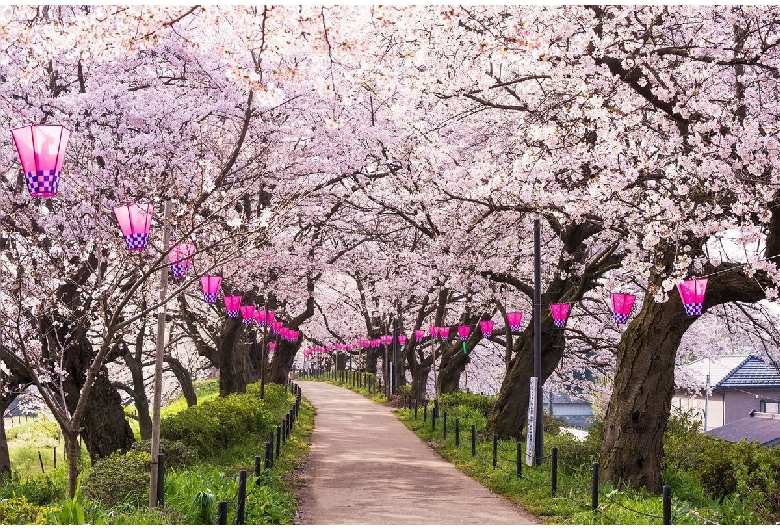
(191, 493)
(572, 502)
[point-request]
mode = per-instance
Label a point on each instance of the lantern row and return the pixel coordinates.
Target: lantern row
(41, 150)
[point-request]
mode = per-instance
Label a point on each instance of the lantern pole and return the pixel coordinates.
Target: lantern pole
(262, 349)
(158, 364)
(538, 428)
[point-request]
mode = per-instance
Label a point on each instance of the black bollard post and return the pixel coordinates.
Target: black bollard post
(269, 455)
(495, 450)
(278, 439)
(436, 407)
(425, 413)
(433, 420)
(259, 461)
(415, 409)
(241, 505)
(160, 479)
(40, 459)
(55, 458)
(519, 457)
(667, 505)
(271, 443)
(594, 488)
(457, 432)
(222, 512)
(554, 471)
(444, 422)
(473, 440)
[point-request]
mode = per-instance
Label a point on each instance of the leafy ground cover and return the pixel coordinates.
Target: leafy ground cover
(203, 460)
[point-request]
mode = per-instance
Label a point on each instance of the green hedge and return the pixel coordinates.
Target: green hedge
(119, 479)
(478, 402)
(216, 424)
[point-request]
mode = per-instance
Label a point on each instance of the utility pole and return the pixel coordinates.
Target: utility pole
(538, 430)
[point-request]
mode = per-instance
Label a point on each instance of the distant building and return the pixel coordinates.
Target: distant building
(761, 427)
(738, 386)
(575, 411)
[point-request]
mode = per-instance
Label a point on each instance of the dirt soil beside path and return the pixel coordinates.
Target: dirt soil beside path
(366, 467)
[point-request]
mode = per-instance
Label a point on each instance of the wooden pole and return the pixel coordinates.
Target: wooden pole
(158, 363)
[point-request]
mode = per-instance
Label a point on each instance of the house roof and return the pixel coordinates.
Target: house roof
(758, 427)
(735, 371)
(753, 372)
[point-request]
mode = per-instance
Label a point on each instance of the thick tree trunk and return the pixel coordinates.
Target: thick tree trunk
(637, 414)
(282, 361)
(104, 427)
(231, 373)
(184, 378)
(510, 413)
(139, 395)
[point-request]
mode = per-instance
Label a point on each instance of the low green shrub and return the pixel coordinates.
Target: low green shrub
(481, 403)
(214, 425)
(41, 489)
(18, 510)
(177, 453)
(119, 479)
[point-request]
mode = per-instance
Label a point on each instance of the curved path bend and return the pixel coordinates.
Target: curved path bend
(366, 467)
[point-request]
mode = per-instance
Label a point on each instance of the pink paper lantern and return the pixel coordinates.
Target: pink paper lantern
(401, 339)
(386, 339)
(270, 318)
(514, 319)
(232, 303)
(692, 294)
(180, 257)
(419, 335)
(621, 306)
(247, 313)
(433, 331)
(260, 317)
(486, 327)
(41, 150)
(272, 347)
(276, 326)
(444, 333)
(560, 314)
(135, 220)
(463, 332)
(210, 286)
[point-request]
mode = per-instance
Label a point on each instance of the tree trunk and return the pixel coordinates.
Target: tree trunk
(510, 413)
(637, 414)
(282, 361)
(135, 367)
(184, 378)
(5, 457)
(104, 427)
(231, 374)
(72, 450)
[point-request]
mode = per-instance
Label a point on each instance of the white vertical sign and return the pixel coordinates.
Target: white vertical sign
(530, 442)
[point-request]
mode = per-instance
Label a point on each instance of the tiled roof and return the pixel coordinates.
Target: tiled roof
(716, 368)
(764, 430)
(753, 372)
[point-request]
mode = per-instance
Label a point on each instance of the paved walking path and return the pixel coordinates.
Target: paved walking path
(366, 467)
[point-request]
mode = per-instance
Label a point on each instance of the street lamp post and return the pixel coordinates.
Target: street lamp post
(538, 430)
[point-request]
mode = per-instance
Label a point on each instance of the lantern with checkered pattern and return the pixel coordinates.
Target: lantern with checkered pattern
(232, 303)
(277, 326)
(135, 220)
(247, 313)
(692, 294)
(622, 304)
(180, 257)
(514, 319)
(560, 314)
(41, 150)
(486, 327)
(444, 333)
(419, 335)
(210, 286)
(401, 340)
